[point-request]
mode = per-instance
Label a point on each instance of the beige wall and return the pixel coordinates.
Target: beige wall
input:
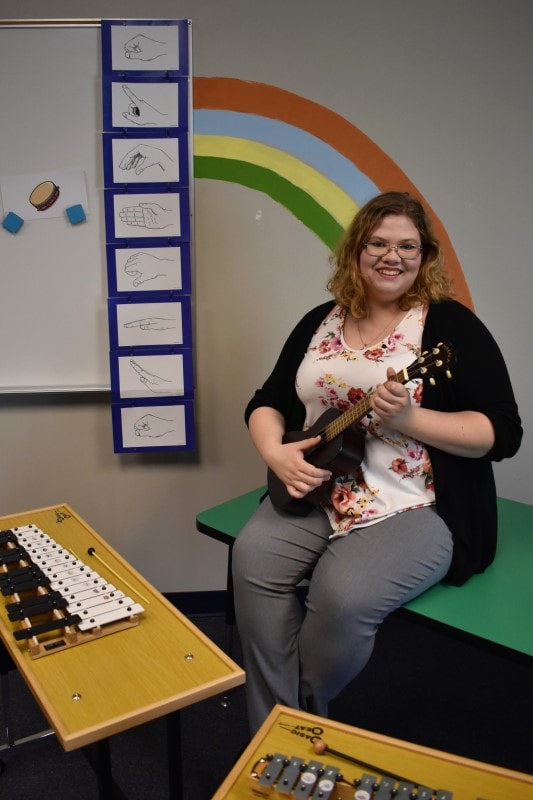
(444, 90)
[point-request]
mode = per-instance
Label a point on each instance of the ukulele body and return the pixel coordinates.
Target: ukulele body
(342, 455)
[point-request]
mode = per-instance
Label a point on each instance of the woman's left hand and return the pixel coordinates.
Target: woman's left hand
(462, 433)
(392, 402)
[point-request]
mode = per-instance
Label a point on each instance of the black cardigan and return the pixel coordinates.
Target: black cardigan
(465, 490)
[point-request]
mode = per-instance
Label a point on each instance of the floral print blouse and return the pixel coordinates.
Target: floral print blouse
(395, 474)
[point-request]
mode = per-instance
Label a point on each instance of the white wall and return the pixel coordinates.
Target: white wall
(444, 90)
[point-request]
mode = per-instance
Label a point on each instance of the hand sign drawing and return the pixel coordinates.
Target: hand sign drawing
(144, 267)
(153, 426)
(140, 112)
(152, 324)
(144, 156)
(142, 48)
(153, 382)
(148, 215)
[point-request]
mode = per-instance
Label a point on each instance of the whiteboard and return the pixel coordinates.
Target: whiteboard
(53, 281)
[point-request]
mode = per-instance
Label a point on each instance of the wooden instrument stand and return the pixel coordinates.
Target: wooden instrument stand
(115, 682)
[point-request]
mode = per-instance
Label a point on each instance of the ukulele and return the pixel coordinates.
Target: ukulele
(342, 437)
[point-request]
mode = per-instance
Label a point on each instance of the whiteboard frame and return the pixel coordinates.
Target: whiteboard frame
(77, 23)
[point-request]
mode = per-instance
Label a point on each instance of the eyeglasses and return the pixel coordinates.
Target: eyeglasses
(379, 249)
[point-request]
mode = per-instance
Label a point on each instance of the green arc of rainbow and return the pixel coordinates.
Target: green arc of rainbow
(304, 156)
(253, 172)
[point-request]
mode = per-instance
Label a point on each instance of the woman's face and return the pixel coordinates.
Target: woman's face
(388, 276)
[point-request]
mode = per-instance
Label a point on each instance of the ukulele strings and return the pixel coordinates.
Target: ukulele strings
(356, 412)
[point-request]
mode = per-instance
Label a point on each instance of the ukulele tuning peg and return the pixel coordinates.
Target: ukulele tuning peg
(438, 363)
(448, 373)
(432, 381)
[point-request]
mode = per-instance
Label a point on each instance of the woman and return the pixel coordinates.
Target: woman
(420, 507)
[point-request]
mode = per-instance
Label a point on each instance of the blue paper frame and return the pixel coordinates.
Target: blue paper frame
(146, 67)
(160, 143)
(158, 285)
(136, 197)
(182, 85)
(138, 67)
(149, 336)
(141, 356)
(147, 443)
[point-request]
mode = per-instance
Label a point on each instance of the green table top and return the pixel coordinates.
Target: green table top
(225, 521)
(496, 605)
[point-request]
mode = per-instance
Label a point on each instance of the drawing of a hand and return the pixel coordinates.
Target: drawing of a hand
(148, 215)
(152, 324)
(153, 382)
(140, 112)
(144, 156)
(153, 426)
(143, 267)
(142, 48)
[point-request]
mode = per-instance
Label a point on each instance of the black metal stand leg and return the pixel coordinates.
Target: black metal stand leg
(7, 719)
(6, 665)
(230, 603)
(99, 757)
(230, 597)
(6, 706)
(175, 772)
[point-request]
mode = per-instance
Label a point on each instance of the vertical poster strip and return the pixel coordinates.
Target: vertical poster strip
(147, 157)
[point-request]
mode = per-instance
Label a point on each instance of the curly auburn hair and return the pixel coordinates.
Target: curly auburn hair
(432, 285)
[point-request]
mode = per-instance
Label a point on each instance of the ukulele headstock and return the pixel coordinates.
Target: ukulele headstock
(431, 361)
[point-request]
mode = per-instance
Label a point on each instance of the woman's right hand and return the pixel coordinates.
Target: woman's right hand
(287, 461)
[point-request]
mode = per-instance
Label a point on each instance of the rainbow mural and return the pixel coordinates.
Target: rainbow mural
(307, 158)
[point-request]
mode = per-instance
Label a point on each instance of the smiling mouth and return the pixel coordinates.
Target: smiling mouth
(388, 272)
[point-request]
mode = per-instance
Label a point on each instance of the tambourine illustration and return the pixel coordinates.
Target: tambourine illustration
(44, 195)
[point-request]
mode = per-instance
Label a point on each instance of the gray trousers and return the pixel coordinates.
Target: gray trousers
(303, 657)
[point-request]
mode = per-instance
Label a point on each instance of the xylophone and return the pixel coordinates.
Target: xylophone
(276, 776)
(56, 599)
(361, 765)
